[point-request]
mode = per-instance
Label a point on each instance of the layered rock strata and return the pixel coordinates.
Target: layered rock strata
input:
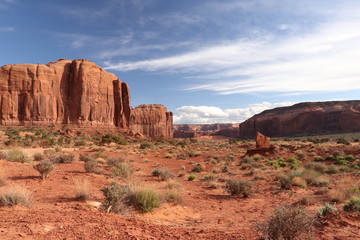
(67, 92)
(305, 119)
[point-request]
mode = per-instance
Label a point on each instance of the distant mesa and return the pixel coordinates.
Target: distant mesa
(199, 130)
(303, 119)
(75, 92)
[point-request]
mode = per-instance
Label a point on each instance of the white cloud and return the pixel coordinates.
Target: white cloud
(7, 29)
(324, 59)
(210, 114)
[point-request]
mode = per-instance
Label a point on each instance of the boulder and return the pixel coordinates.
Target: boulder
(262, 141)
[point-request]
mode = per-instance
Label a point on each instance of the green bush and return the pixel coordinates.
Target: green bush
(239, 187)
(295, 164)
(353, 205)
(109, 138)
(198, 168)
(145, 200)
(327, 210)
(281, 162)
(191, 177)
(44, 168)
(287, 222)
(17, 155)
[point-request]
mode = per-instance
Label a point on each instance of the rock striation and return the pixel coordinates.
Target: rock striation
(152, 120)
(304, 119)
(67, 92)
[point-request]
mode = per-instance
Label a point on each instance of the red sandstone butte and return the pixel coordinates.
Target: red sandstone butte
(304, 119)
(70, 92)
(262, 141)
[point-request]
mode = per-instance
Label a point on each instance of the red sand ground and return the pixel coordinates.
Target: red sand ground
(205, 213)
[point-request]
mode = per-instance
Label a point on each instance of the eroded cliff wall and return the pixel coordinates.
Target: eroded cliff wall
(305, 119)
(71, 92)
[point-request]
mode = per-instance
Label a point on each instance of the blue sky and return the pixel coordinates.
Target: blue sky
(207, 61)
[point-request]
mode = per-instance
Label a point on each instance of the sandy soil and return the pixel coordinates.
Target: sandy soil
(205, 212)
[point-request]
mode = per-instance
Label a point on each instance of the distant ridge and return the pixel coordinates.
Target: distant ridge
(306, 118)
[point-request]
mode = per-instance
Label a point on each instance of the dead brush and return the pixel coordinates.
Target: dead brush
(287, 222)
(3, 177)
(82, 189)
(16, 195)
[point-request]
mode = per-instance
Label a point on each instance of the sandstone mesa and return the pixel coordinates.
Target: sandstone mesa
(75, 92)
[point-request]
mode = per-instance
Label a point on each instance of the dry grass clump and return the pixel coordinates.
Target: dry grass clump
(287, 222)
(344, 190)
(173, 196)
(298, 181)
(82, 189)
(3, 177)
(17, 155)
(122, 169)
(92, 166)
(16, 195)
(44, 168)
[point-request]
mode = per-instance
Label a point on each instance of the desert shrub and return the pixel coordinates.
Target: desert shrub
(122, 169)
(17, 155)
(281, 162)
(16, 195)
(191, 177)
(210, 177)
(342, 141)
(115, 194)
(327, 210)
(49, 151)
(298, 181)
(109, 138)
(3, 177)
(91, 166)
(285, 181)
(63, 158)
(145, 200)
(173, 196)
(332, 169)
(3, 155)
(193, 153)
(82, 189)
(295, 163)
(313, 177)
(113, 161)
(57, 148)
(320, 167)
(318, 159)
(287, 222)
(350, 157)
(166, 174)
(341, 161)
(156, 172)
(38, 156)
(353, 205)
(44, 168)
(174, 185)
(146, 145)
(248, 160)
(86, 157)
(239, 187)
(198, 168)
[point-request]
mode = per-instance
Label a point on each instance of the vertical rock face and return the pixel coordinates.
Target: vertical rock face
(305, 119)
(152, 120)
(67, 92)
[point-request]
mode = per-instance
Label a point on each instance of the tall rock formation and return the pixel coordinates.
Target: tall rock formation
(64, 92)
(305, 119)
(152, 120)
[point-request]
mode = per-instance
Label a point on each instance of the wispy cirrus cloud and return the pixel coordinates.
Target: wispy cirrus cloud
(7, 29)
(211, 114)
(321, 60)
